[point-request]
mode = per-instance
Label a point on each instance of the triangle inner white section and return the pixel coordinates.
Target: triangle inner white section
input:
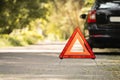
(77, 47)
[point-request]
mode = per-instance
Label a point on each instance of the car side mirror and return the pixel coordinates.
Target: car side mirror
(83, 16)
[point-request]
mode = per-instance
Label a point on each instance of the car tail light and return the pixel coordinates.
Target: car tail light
(91, 16)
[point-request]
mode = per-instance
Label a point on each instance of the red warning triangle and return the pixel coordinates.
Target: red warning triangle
(74, 46)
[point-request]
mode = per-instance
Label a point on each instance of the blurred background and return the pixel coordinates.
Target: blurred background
(26, 22)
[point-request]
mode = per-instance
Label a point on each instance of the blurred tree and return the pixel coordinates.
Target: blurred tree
(57, 18)
(88, 3)
(64, 18)
(16, 14)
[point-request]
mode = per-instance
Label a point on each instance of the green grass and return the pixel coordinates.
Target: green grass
(22, 39)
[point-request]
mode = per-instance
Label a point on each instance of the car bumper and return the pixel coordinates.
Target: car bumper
(99, 41)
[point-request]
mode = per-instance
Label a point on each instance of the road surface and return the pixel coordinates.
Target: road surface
(38, 62)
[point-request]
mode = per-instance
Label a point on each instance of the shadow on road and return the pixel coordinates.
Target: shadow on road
(107, 53)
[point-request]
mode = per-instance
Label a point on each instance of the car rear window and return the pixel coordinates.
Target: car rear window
(115, 4)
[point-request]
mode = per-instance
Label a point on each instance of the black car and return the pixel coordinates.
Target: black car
(103, 24)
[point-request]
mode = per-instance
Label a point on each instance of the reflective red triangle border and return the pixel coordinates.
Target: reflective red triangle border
(71, 54)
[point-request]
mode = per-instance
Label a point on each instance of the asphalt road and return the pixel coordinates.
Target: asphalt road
(40, 64)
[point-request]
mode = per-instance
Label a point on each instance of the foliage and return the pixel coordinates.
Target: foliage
(64, 18)
(88, 3)
(16, 14)
(24, 22)
(23, 39)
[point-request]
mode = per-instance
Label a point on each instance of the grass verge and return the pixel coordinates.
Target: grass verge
(22, 39)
